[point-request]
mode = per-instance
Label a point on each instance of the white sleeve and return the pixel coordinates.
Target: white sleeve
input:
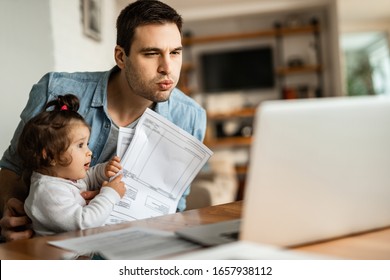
(96, 176)
(57, 207)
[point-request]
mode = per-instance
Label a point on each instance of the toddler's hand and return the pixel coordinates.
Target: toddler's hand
(117, 185)
(113, 167)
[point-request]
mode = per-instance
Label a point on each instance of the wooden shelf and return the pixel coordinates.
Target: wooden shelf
(298, 70)
(285, 31)
(241, 169)
(228, 142)
(188, 41)
(242, 113)
(187, 66)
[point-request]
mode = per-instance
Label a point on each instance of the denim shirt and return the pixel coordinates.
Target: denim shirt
(91, 89)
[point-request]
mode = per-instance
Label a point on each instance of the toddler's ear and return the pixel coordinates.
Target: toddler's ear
(44, 156)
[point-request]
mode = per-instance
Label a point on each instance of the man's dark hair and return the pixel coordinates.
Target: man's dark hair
(143, 12)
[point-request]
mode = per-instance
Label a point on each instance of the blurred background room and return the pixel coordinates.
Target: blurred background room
(294, 49)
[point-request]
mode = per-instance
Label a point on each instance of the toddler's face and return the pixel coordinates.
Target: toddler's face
(79, 152)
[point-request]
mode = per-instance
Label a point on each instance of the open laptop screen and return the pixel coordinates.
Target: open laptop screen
(319, 169)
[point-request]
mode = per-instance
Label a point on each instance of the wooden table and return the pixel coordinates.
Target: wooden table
(373, 245)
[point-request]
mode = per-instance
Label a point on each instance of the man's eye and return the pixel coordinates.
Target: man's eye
(151, 54)
(176, 52)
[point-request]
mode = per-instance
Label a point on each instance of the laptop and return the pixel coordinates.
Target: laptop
(319, 169)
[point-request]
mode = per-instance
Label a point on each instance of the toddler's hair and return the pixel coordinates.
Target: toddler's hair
(45, 137)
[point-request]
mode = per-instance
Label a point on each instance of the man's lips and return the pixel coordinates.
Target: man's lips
(165, 85)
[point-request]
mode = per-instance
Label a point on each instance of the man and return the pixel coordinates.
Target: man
(148, 59)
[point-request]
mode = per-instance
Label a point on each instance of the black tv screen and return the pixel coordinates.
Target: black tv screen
(243, 69)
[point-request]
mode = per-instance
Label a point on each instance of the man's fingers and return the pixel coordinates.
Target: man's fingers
(13, 222)
(17, 235)
(16, 207)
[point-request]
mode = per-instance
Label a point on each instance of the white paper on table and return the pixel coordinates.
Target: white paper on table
(158, 166)
(129, 243)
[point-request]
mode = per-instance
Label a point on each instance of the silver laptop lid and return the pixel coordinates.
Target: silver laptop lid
(319, 169)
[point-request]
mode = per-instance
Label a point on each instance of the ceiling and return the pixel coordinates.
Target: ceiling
(355, 10)
(349, 10)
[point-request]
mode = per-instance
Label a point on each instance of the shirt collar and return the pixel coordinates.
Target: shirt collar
(162, 108)
(100, 96)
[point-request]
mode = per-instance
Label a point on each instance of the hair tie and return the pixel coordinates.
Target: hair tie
(64, 108)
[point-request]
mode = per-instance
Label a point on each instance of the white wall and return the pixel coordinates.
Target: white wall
(41, 36)
(26, 51)
(73, 50)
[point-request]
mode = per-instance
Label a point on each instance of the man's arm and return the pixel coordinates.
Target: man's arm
(13, 191)
(11, 185)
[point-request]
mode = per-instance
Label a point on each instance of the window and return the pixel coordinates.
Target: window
(366, 63)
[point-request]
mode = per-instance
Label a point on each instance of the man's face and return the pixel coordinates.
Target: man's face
(153, 66)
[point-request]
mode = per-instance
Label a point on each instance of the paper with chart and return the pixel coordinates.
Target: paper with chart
(159, 164)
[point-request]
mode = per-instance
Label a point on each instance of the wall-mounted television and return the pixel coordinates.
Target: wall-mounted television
(239, 69)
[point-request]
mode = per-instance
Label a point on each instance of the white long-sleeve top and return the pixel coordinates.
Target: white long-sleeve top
(55, 205)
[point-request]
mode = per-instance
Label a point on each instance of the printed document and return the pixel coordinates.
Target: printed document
(159, 162)
(125, 244)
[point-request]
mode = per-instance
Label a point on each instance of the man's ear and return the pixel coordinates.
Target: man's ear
(120, 56)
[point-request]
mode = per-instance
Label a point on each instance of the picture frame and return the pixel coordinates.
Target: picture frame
(91, 18)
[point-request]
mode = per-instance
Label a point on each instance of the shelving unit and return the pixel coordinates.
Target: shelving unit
(213, 142)
(282, 73)
(278, 33)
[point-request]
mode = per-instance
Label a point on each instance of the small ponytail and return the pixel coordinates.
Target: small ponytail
(67, 102)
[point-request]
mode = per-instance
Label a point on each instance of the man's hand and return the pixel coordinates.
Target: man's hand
(15, 223)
